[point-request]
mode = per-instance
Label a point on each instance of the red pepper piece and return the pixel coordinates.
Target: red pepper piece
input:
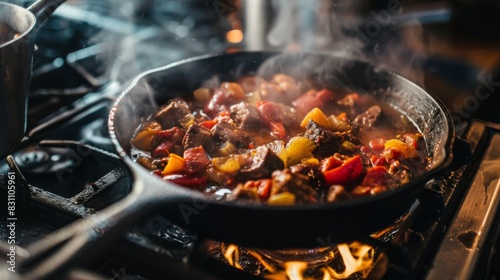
(376, 176)
(208, 124)
(186, 180)
(347, 173)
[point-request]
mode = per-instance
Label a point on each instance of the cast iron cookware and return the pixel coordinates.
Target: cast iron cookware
(243, 222)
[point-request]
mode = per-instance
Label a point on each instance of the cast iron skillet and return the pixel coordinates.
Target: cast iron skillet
(243, 222)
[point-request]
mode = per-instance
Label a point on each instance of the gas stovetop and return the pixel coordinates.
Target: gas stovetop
(66, 168)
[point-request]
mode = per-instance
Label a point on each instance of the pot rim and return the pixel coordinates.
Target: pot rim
(24, 34)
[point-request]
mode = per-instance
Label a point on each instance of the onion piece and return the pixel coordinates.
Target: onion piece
(298, 148)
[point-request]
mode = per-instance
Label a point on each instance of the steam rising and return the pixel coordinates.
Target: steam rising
(385, 37)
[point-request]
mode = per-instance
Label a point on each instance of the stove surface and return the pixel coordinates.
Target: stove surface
(66, 168)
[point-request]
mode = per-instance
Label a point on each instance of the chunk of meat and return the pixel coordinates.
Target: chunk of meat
(263, 161)
(296, 183)
(400, 174)
(197, 136)
(173, 114)
(226, 95)
(376, 176)
(245, 116)
(195, 160)
(315, 177)
(327, 141)
(369, 117)
(224, 132)
(241, 191)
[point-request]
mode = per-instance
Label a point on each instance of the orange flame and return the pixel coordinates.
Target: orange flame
(356, 258)
(232, 256)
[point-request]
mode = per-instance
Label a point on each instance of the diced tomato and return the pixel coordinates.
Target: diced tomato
(378, 161)
(216, 103)
(208, 124)
(347, 173)
(312, 99)
(377, 145)
(273, 116)
(366, 151)
(195, 160)
(376, 176)
(186, 180)
(330, 163)
(263, 187)
(270, 111)
(278, 130)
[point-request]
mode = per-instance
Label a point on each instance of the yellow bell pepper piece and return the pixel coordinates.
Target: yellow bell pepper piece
(142, 140)
(282, 199)
(318, 117)
(175, 163)
(407, 151)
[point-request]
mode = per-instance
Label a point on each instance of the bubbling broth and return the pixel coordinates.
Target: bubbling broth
(280, 141)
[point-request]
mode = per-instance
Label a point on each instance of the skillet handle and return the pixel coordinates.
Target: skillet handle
(43, 9)
(85, 238)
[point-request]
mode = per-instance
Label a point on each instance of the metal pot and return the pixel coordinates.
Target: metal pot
(17, 29)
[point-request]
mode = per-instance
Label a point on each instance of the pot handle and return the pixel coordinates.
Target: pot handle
(43, 9)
